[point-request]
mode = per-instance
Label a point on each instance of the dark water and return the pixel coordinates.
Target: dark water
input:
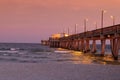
(36, 53)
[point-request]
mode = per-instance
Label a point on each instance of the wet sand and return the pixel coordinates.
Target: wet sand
(58, 71)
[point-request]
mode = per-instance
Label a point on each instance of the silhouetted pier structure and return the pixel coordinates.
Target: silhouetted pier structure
(81, 41)
(45, 42)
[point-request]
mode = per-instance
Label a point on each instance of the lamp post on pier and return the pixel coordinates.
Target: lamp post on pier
(68, 31)
(102, 19)
(95, 23)
(85, 24)
(76, 28)
(113, 20)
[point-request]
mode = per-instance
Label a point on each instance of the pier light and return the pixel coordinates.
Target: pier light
(66, 35)
(95, 23)
(113, 20)
(76, 28)
(68, 30)
(102, 19)
(85, 24)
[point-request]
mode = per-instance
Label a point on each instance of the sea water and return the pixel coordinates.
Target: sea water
(37, 53)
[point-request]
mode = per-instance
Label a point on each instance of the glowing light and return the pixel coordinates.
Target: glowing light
(66, 35)
(112, 17)
(56, 35)
(86, 19)
(104, 11)
(95, 23)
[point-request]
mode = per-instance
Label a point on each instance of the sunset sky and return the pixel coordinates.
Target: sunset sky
(33, 20)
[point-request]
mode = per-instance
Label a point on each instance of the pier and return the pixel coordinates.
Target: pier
(81, 41)
(45, 42)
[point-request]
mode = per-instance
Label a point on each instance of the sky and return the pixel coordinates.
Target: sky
(30, 21)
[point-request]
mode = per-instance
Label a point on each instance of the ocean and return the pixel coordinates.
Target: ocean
(37, 53)
(29, 61)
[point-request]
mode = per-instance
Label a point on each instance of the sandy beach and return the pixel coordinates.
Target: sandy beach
(58, 71)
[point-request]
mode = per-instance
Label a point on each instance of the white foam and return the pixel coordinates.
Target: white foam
(8, 51)
(62, 51)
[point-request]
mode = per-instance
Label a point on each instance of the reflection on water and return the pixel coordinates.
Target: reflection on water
(89, 58)
(35, 53)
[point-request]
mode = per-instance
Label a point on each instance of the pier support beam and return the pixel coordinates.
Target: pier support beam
(87, 46)
(67, 44)
(82, 45)
(115, 45)
(79, 45)
(74, 44)
(70, 45)
(94, 49)
(103, 47)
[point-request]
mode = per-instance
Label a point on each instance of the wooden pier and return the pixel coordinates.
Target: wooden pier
(45, 42)
(81, 41)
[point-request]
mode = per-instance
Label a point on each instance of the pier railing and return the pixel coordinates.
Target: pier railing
(111, 30)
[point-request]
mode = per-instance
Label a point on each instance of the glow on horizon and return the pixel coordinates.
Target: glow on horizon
(33, 20)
